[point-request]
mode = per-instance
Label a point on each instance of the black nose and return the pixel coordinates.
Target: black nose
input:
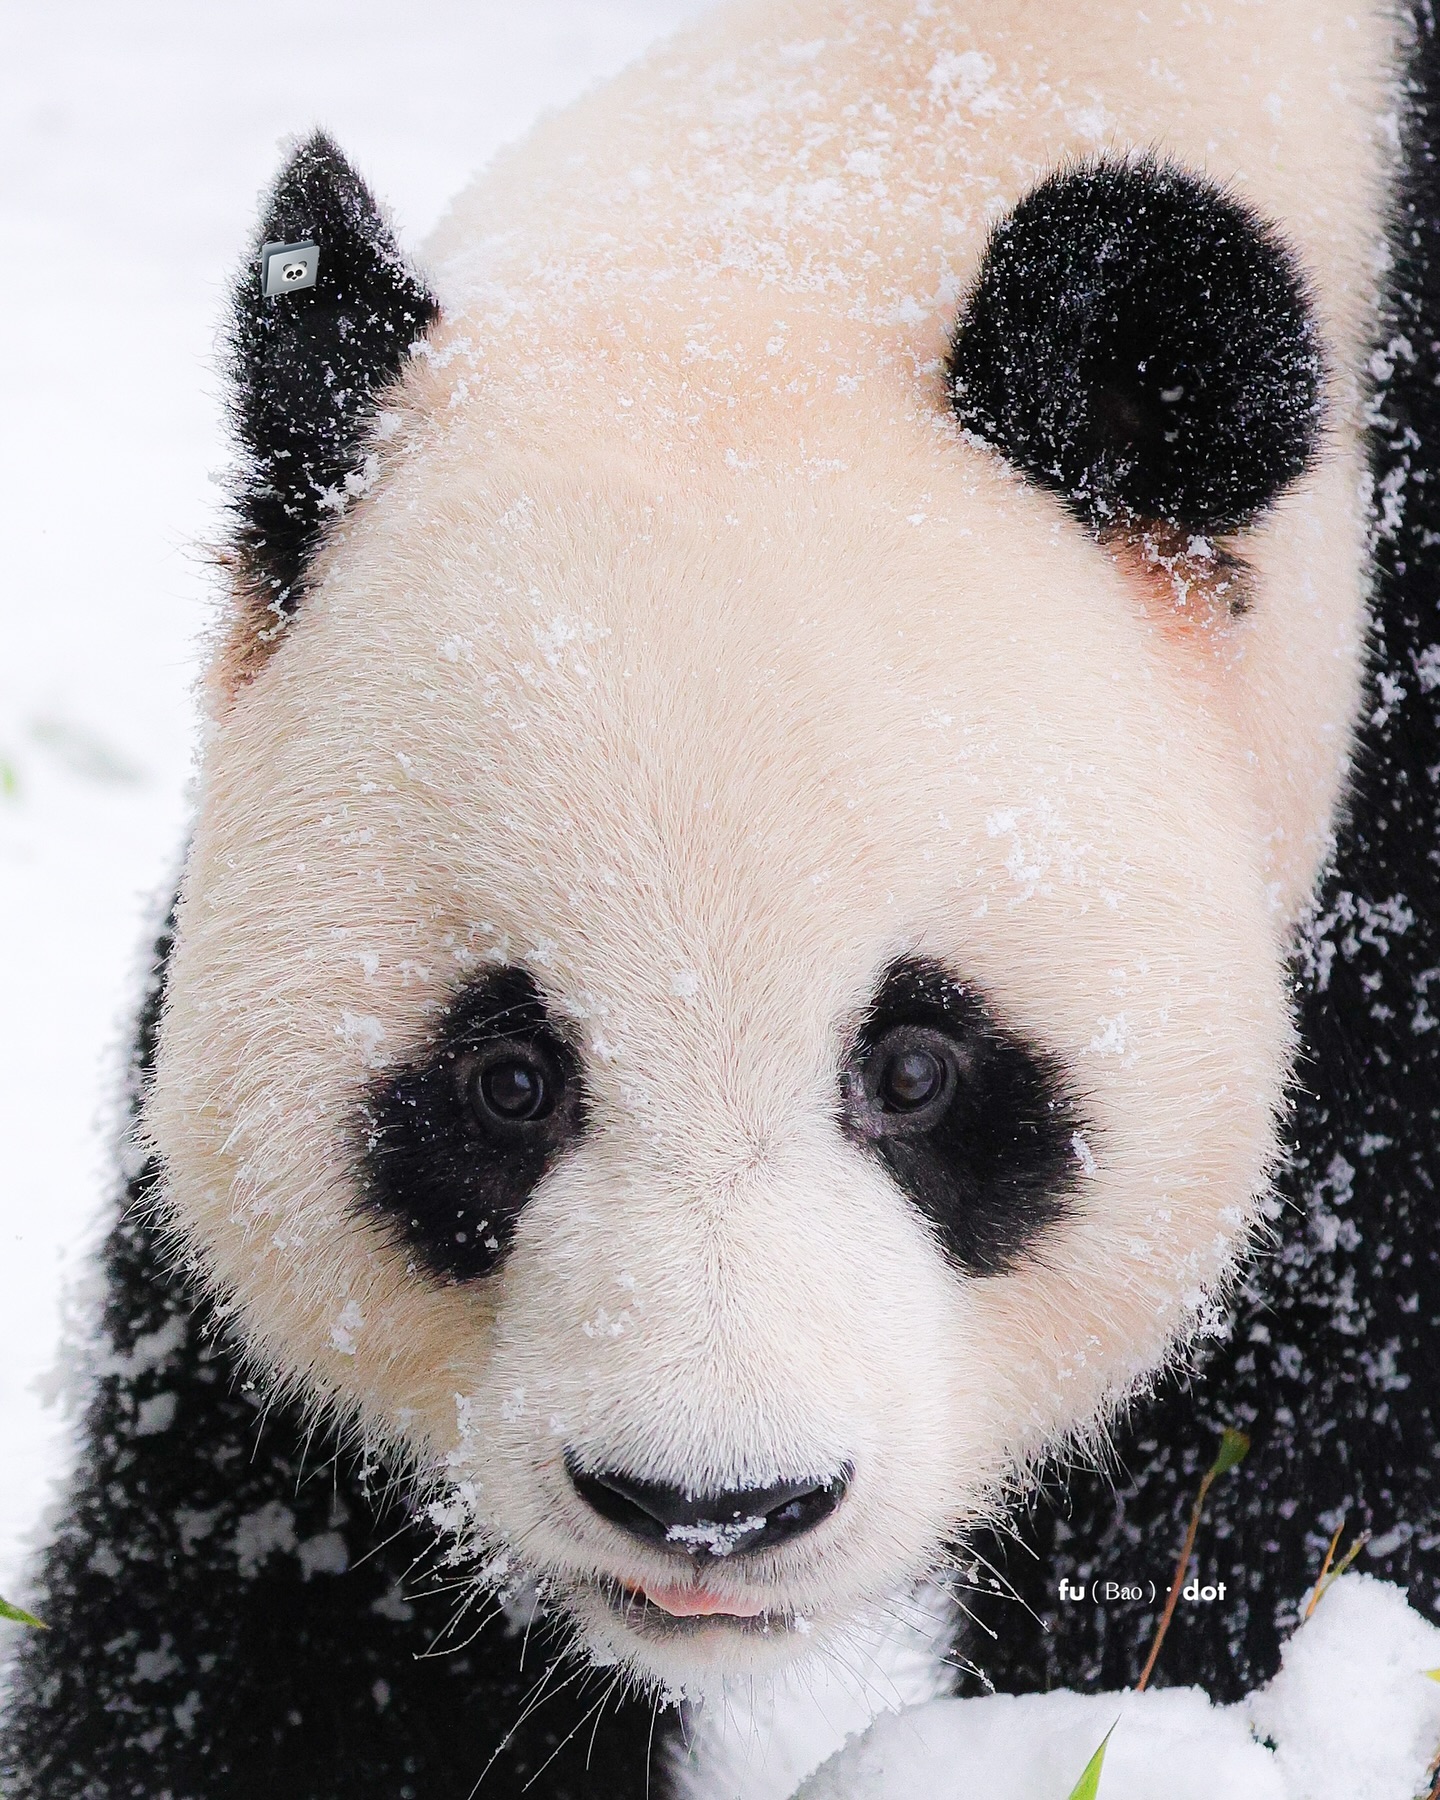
(709, 1525)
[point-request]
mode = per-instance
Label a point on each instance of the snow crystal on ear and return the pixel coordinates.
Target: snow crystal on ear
(306, 368)
(1143, 343)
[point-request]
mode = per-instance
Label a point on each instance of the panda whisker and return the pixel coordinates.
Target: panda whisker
(600, 1714)
(525, 1635)
(1004, 1588)
(302, 1474)
(538, 1695)
(486, 1620)
(850, 1680)
(752, 1743)
(687, 1729)
(979, 1623)
(910, 1623)
(1003, 1584)
(425, 1562)
(598, 1710)
(384, 1544)
(845, 1674)
(957, 1580)
(433, 1576)
(965, 1666)
(879, 1679)
(464, 1584)
(921, 1616)
(1003, 1521)
(267, 1405)
(474, 1597)
(655, 1703)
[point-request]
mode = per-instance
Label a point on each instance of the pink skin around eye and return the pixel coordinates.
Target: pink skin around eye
(698, 1603)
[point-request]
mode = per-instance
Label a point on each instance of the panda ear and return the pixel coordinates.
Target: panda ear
(1143, 344)
(306, 365)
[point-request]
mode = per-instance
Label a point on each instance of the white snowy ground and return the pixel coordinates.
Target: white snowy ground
(1351, 1716)
(135, 137)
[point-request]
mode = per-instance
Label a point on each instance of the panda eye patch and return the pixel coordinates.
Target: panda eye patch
(455, 1142)
(1143, 344)
(975, 1125)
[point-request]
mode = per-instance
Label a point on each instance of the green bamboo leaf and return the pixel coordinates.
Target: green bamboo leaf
(1233, 1448)
(21, 1617)
(1088, 1786)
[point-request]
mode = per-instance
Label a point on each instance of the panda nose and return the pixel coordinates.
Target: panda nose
(736, 1523)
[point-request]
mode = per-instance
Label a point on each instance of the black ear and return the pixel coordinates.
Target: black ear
(307, 365)
(1143, 344)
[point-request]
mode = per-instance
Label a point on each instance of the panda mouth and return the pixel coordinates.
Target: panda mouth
(688, 1602)
(656, 1609)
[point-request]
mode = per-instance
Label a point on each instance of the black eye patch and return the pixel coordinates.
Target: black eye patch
(1143, 344)
(456, 1142)
(976, 1125)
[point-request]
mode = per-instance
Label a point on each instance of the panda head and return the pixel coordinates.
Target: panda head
(729, 993)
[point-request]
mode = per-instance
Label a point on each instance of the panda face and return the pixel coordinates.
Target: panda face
(730, 986)
(647, 1015)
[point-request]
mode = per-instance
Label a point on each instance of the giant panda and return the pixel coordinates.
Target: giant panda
(806, 958)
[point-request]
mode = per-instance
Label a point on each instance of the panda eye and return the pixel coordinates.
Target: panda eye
(908, 1080)
(975, 1123)
(454, 1142)
(509, 1087)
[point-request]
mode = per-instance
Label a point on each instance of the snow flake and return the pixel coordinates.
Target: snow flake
(343, 1330)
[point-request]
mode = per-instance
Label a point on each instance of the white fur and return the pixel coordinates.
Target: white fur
(758, 1740)
(686, 654)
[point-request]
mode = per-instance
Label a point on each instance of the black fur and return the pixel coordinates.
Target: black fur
(449, 1188)
(1141, 343)
(235, 1611)
(305, 368)
(1330, 1357)
(997, 1165)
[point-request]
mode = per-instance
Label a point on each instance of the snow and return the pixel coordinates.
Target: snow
(1033, 1747)
(134, 142)
(1350, 1716)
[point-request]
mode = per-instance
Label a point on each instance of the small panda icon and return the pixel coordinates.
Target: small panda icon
(287, 268)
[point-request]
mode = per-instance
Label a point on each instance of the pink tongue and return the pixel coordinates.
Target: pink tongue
(696, 1603)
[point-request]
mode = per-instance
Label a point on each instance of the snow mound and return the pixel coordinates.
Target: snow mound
(1350, 1716)
(1033, 1747)
(1351, 1712)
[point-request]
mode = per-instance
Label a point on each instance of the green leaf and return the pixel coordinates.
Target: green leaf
(7, 1611)
(1233, 1448)
(1431, 1674)
(1088, 1786)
